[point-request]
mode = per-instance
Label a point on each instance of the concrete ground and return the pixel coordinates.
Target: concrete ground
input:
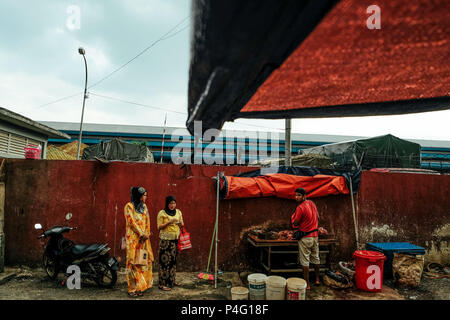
(18, 283)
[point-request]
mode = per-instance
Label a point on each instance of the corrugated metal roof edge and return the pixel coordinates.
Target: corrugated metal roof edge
(142, 131)
(18, 119)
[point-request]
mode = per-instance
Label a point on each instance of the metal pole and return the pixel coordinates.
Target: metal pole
(164, 133)
(2, 221)
(217, 227)
(287, 143)
(354, 215)
(82, 111)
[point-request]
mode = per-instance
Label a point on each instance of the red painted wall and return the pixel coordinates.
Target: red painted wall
(406, 207)
(40, 191)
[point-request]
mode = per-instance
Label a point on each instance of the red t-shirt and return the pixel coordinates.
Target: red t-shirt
(307, 213)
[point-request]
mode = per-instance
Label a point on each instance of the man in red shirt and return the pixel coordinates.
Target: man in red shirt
(305, 218)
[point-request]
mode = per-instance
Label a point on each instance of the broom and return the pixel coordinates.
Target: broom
(206, 275)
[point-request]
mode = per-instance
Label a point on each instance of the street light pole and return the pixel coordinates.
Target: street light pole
(82, 52)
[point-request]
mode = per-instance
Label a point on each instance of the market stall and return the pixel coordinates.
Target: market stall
(270, 249)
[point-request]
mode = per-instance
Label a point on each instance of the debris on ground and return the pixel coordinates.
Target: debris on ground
(407, 269)
(337, 280)
(348, 268)
(24, 275)
(35, 285)
(7, 276)
(436, 270)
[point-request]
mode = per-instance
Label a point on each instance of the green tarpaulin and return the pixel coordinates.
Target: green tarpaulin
(385, 151)
(117, 149)
(306, 160)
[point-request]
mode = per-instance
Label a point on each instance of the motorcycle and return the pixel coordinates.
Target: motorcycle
(94, 261)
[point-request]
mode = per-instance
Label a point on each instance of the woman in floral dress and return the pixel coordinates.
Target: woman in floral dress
(139, 277)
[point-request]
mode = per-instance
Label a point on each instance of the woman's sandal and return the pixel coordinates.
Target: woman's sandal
(164, 288)
(135, 294)
(177, 284)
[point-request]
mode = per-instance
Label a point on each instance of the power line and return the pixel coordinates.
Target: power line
(162, 38)
(137, 103)
(172, 35)
(60, 99)
(255, 125)
(169, 110)
(165, 36)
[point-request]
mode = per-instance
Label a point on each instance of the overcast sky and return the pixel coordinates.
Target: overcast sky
(39, 64)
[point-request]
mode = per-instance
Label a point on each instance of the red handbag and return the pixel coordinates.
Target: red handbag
(184, 241)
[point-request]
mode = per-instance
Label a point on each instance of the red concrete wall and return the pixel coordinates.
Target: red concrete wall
(40, 191)
(406, 207)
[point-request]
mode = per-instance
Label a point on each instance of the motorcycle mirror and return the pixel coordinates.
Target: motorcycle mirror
(37, 226)
(68, 216)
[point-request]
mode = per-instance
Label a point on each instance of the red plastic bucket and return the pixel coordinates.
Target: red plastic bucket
(369, 270)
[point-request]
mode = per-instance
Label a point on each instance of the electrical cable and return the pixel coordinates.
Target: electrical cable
(136, 103)
(169, 110)
(60, 99)
(165, 36)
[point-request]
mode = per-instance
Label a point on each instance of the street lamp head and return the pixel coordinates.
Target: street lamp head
(81, 51)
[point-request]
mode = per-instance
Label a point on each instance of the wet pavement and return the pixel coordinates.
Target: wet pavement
(22, 283)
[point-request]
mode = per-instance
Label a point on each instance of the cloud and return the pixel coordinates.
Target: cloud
(128, 113)
(58, 30)
(153, 9)
(24, 93)
(39, 63)
(427, 125)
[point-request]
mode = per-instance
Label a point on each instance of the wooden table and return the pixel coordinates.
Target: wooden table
(274, 247)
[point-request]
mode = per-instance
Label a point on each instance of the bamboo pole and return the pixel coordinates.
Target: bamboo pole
(354, 215)
(216, 226)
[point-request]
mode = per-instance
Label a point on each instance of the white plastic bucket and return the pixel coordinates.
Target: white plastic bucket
(296, 289)
(275, 288)
(257, 286)
(239, 293)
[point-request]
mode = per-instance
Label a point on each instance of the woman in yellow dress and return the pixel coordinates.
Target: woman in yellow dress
(139, 277)
(169, 222)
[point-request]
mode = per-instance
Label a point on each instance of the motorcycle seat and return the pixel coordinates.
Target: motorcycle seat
(81, 249)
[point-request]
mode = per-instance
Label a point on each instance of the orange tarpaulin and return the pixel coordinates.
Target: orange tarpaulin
(283, 186)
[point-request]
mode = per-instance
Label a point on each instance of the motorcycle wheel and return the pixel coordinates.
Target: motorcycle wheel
(50, 266)
(107, 276)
